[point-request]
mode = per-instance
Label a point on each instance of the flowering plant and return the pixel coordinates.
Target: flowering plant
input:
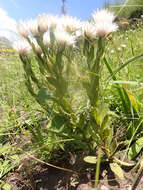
(66, 82)
(62, 60)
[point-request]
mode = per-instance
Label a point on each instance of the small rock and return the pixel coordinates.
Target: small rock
(103, 187)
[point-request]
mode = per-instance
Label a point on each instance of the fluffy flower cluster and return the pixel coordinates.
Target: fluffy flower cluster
(64, 38)
(22, 47)
(23, 29)
(103, 20)
(89, 30)
(65, 29)
(46, 22)
(71, 24)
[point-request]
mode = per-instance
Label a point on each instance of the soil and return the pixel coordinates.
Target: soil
(44, 177)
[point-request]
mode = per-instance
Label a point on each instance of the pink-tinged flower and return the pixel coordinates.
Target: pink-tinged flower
(71, 24)
(102, 29)
(89, 30)
(23, 29)
(103, 15)
(46, 39)
(64, 38)
(46, 22)
(103, 21)
(33, 27)
(53, 21)
(22, 47)
(12, 108)
(43, 23)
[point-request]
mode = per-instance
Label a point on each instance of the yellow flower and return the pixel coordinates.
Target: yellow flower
(125, 22)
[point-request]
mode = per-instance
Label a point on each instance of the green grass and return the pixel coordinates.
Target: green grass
(12, 82)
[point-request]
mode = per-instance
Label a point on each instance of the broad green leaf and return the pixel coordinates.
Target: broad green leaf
(43, 95)
(93, 159)
(123, 163)
(90, 159)
(135, 148)
(117, 170)
(58, 124)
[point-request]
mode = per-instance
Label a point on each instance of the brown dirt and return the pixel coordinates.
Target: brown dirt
(49, 178)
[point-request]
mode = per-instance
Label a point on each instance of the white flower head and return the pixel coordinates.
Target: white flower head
(23, 29)
(103, 15)
(52, 21)
(64, 38)
(103, 20)
(71, 24)
(102, 29)
(89, 30)
(43, 23)
(46, 22)
(46, 39)
(22, 47)
(33, 27)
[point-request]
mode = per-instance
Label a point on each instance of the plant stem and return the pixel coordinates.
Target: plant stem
(96, 71)
(138, 177)
(97, 168)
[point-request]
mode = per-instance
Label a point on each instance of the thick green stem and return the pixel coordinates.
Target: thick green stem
(97, 169)
(96, 71)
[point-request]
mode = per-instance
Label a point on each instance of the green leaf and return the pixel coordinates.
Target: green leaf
(93, 159)
(90, 159)
(58, 124)
(99, 113)
(117, 170)
(43, 95)
(113, 146)
(123, 163)
(135, 148)
(105, 122)
(6, 187)
(93, 132)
